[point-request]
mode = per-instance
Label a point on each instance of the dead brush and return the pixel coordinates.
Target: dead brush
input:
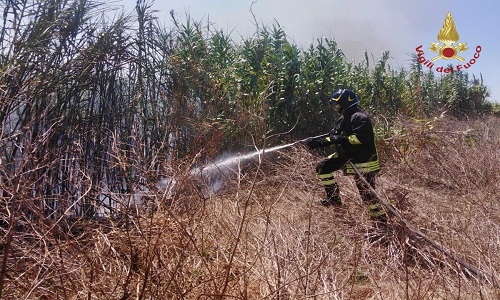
(267, 237)
(423, 264)
(448, 179)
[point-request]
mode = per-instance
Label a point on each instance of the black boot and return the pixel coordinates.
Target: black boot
(335, 201)
(332, 196)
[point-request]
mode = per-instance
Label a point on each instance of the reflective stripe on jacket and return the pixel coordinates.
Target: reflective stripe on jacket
(360, 145)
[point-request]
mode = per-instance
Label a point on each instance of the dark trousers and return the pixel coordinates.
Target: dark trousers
(327, 166)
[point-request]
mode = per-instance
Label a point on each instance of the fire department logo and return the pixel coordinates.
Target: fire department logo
(448, 36)
(448, 48)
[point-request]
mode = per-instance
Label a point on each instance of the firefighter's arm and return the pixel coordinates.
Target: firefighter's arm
(336, 139)
(361, 131)
(317, 141)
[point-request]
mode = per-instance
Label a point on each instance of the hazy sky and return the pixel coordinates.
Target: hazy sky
(399, 26)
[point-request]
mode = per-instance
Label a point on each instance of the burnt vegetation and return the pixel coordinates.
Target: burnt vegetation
(106, 115)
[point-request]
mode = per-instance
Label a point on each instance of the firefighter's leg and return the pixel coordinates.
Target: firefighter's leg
(331, 189)
(375, 208)
(325, 169)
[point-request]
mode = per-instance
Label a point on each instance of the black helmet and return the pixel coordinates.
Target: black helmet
(344, 99)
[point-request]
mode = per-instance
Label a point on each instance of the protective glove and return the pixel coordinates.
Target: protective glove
(337, 139)
(312, 143)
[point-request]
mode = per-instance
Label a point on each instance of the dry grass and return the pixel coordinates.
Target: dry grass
(266, 237)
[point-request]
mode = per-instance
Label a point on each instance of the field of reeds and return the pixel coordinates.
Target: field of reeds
(106, 115)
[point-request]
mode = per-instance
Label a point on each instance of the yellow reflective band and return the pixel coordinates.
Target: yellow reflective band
(329, 182)
(377, 214)
(328, 139)
(333, 155)
(364, 167)
(375, 210)
(338, 98)
(353, 140)
(325, 176)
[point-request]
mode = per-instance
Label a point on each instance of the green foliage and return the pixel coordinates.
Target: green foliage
(495, 109)
(320, 73)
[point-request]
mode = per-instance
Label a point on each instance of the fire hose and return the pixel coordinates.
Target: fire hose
(312, 138)
(412, 228)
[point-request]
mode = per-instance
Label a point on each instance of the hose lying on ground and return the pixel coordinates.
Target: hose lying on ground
(412, 228)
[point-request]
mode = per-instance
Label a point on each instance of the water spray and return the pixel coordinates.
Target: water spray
(211, 178)
(215, 174)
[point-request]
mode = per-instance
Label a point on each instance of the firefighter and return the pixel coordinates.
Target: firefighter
(354, 140)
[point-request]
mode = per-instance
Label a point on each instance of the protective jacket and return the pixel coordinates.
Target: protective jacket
(358, 141)
(354, 140)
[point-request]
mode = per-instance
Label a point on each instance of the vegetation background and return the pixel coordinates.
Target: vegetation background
(100, 115)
